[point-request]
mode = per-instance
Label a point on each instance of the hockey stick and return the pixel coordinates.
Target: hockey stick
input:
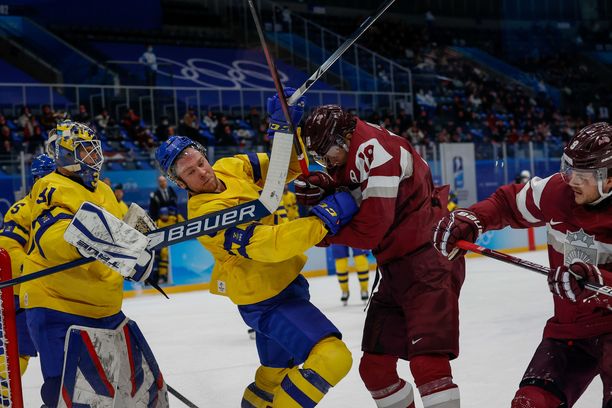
(210, 224)
(246, 212)
(279, 90)
(180, 397)
(341, 50)
(541, 269)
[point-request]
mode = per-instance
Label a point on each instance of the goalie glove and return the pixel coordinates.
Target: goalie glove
(311, 189)
(96, 233)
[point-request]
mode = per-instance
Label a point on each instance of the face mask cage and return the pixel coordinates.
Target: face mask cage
(89, 154)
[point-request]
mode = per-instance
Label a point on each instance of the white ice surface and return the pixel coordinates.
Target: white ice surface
(204, 351)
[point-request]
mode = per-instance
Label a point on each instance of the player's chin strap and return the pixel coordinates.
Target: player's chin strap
(602, 195)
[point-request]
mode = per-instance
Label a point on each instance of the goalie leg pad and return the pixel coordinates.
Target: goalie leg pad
(115, 367)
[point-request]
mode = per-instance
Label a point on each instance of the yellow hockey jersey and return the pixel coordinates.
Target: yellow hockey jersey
(91, 290)
(253, 261)
(15, 235)
(290, 205)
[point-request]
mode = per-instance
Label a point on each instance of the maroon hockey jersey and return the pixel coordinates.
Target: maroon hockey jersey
(575, 233)
(394, 187)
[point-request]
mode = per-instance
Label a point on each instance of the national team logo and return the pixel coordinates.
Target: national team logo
(579, 247)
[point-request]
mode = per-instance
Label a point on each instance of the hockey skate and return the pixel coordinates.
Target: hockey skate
(252, 334)
(344, 298)
(365, 296)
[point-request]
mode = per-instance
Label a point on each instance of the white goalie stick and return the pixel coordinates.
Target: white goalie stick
(243, 213)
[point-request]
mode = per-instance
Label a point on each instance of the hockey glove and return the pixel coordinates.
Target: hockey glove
(278, 122)
(336, 210)
(456, 226)
(310, 190)
(567, 282)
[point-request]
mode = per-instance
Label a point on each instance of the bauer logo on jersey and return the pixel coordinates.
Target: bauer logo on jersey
(579, 246)
(370, 155)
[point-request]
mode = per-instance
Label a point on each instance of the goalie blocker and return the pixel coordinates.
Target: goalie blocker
(98, 234)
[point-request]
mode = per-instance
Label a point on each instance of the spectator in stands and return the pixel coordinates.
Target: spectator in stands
(149, 59)
(143, 137)
(36, 142)
(164, 196)
(190, 125)
(26, 122)
(225, 136)
(6, 141)
(254, 118)
(286, 15)
(211, 122)
(102, 120)
(164, 130)
(130, 122)
(48, 119)
(83, 115)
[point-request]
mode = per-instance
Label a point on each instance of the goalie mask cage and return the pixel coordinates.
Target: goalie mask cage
(10, 377)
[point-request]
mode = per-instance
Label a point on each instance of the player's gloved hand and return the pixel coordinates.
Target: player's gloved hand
(456, 226)
(276, 116)
(336, 210)
(568, 282)
(143, 266)
(310, 189)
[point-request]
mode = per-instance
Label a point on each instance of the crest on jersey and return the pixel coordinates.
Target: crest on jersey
(579, 246)
(370, 154)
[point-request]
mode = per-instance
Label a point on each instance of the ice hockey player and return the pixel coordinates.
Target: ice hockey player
(414, 314)
(14, 237)
(341, 260)
(575, 206)
(89, 296)
(258, 267)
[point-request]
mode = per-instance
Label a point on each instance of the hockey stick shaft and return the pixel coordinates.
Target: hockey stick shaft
(541, 269)
(341, 50)
(208, 224)
(180, 397)
(279, 89)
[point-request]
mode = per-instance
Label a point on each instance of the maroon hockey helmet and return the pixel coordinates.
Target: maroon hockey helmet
(590, 148)
(325, 127)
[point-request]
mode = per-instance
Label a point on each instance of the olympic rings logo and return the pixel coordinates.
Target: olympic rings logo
(214, 74)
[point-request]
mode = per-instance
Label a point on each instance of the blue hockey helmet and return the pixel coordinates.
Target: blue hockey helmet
(78, 150)
(42, 165)
(168, 152)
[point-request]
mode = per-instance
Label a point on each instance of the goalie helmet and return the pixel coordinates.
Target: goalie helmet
(52, 137)
(42, 165)
(169, 151)
(78, 150)
(325, 127)
(590, 151)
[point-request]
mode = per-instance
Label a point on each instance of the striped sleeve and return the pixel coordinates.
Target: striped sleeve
(514, 205)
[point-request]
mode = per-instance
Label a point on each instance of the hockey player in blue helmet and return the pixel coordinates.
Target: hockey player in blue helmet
(78, 153)
(41, 166)
(258, 264)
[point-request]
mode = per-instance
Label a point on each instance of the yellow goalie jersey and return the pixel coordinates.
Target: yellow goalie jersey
(91, 290)
(257, 260)
(15, 235)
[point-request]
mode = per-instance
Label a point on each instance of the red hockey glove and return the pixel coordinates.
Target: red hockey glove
(456, 226)
(311, 189)
(567, 282)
